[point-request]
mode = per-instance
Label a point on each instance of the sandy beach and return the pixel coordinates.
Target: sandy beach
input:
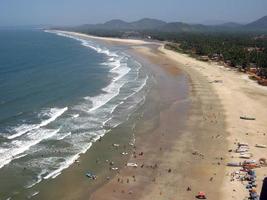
(182, 141)
(109, 40)
(133, 100)
(238, 96)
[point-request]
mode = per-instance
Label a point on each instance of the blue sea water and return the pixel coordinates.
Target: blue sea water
(60, 89)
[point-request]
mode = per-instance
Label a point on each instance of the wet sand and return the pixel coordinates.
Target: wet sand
(167, 99)
(184, 131)
(239, 96)
(180, 150)
(217, 98)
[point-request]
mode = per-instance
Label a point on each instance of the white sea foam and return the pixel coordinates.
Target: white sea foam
(35, 193)
(138, 89)
(62, 136)
(21, 130)
(87, 43)
(98, 49)
(20, 146)
(88, 122)
(19, 156)
(82, 148)
(110, 92)
(39, 179)
(53, 114)
(64, 165)
(113, 89)
(75, 116)
(116, 106)
(144, 82)
(110, 118)
(81, 142)
(122, 72)
(114, 64)
(68, 161)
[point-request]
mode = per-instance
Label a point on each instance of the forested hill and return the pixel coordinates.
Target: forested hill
(258, 24)
(148, 24)
(235, 45)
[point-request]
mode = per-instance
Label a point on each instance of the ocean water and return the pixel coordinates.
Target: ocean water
(58, 95)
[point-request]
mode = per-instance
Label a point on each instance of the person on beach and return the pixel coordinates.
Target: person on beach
(264, 190)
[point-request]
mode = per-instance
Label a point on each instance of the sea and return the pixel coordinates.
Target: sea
(58, 95)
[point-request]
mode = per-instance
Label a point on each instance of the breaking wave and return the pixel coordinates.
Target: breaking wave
(53, 114)
(73, 133)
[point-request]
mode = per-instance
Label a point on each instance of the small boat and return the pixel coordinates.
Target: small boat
(132, 165)
(247, 118)
(241, 150)
(260, 146)
(249, 162)
(242, 144)
(233, 164)
(245, 156)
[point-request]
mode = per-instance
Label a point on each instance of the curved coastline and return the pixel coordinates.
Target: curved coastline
(182, 133)
(215, 110)
(76, 129)
(168, 128)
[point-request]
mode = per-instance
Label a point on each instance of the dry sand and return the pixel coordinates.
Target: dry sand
(239, 96)
(118, 40)
(197, 155)
(189, 152)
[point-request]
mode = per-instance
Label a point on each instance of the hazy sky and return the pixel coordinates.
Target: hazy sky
(72, 12)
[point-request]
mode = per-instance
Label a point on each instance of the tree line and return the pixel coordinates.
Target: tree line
(237, 49)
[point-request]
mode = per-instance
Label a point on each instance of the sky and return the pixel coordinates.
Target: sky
(76, 12)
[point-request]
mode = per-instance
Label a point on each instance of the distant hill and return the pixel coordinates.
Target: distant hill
(231, 25)
(142, 25)
(116, 24)
(148, 24)
(181, 27)
(258, 24)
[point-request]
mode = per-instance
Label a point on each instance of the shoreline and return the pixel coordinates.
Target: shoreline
(233, 90)
(175, 165)
(105, 39)
(90, 160)
(237, 95)
(182, 159)
(211, 113)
